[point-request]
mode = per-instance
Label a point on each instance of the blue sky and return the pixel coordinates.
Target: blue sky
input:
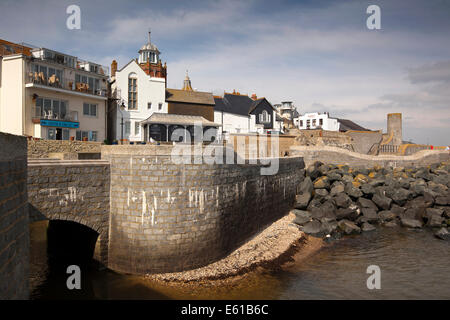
(317, 53)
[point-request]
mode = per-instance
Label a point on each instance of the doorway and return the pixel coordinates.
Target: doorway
(58, 134)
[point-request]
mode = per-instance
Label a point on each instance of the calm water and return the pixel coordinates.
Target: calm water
(414, 265)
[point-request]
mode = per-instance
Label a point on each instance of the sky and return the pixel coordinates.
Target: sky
(318, 54)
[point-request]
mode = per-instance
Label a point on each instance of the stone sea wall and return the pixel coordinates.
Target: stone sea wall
(75, 191)
(44, 148)
(335, 155)
(168, 217)
(14, 234)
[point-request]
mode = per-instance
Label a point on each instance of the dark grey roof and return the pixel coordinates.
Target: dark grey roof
(257, 102)
(233, 103)
(349, 125)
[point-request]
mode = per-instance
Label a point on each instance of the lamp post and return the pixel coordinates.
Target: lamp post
(121, 107)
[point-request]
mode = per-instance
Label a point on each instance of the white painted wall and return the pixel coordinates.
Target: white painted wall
(232, 123)
(12, 117)
(328, 123)
(149, 89)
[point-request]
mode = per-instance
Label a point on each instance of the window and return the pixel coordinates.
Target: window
(65, 134)
(264, 117)
(149, 105)
(159, 106)
(89, 109)
(127, 127)
(132, 93)
(50, 109)
(51, 134)
(301, 123)
(136, 128)
(92, 135)
(320, 122)
(93, 84)
(86, 135)
(314, 122)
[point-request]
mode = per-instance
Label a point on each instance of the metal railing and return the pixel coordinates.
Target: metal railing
(41, 113)
(63, 83)
(388, 149)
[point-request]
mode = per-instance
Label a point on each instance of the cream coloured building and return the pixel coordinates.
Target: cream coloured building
(52, 95)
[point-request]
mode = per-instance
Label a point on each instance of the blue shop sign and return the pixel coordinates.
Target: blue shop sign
(62, 124)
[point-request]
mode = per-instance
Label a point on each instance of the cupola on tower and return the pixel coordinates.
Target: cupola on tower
(150, 61)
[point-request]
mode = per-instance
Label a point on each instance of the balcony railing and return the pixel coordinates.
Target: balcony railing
(40, 113)
(69, 61)
(63, 83)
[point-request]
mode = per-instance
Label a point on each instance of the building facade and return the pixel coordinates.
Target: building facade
(317, 120)
(51, 95)
(238, 113)
(138, 90)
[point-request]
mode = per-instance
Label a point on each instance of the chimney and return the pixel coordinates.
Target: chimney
(113, 68)
(254, 97)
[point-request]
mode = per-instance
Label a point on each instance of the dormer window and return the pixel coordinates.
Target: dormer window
(264, 117)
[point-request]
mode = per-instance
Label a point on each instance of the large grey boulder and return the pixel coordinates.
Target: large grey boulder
(313, 227)
(347, 213)
(347, 178)
(401, 195)
(337, 187)
(321, 193)
(321, 183)
(348, 227)
(367, 227)
(366, 203)
(423, 173)
(301, 216)
(302, 201)
(442, 201)
(442, 234)
(435, 221)
(383, 202)
(368, 190)
(417, 213)
(313, 172)
(390, 224)
(386, 215)
(353, 192)
(369, 215)
(376, 182)
(411, 223)
(306, 186)
(333, 176)
(342, 200)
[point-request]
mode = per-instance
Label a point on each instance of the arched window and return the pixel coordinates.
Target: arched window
(264, 117)
(132, 91)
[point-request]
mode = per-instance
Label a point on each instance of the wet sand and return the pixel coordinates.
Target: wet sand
(280, 244)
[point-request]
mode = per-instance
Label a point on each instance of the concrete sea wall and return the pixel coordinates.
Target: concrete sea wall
(14, 233)
(168, 217)
(335, 155)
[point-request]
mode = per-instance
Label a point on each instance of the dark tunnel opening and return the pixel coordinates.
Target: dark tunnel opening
(70, 242)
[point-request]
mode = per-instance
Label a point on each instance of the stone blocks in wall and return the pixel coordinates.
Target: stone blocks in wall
(76, 191)
(14, 232)
(168, 217)
(44, 148)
